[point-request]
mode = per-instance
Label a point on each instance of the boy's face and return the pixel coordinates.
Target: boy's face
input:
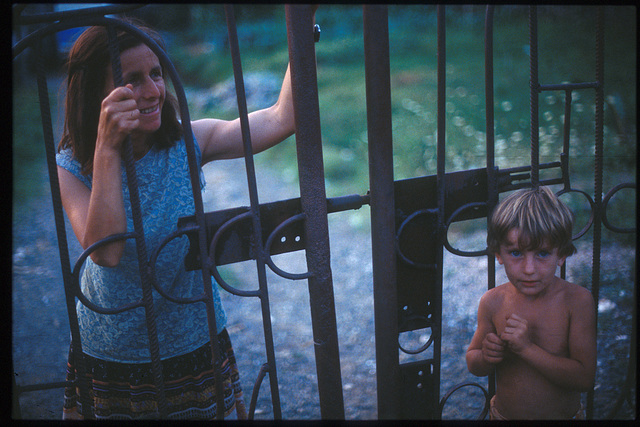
(530, 271)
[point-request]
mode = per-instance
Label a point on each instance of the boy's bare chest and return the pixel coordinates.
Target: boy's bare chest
(547, 324)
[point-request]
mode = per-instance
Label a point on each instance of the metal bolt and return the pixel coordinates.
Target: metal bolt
(316, 33)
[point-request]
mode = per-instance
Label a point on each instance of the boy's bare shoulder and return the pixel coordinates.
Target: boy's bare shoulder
(573, 289)
(494, 297)
(575, 294)
(499, 290)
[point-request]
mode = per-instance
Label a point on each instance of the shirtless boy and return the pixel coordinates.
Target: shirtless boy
(537, 330)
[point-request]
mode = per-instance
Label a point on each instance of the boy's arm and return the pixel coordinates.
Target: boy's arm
(577, 371)
(486, 349)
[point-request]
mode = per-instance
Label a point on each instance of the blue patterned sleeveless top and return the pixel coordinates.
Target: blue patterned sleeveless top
(165, 195)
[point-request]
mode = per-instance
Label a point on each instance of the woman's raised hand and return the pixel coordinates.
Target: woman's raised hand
(118, 118)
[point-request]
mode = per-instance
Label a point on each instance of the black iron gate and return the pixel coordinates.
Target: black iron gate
(409, 233)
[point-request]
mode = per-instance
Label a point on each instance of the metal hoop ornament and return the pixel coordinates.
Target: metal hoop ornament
(450, 221)
(485, 409)
(591, 204)
(402, 256)
(424, 346)
(271, 264)
(212, 266)
(75, 276)
(152, 269)
(605, 204)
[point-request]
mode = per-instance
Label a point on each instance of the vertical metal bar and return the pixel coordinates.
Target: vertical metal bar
(567, 121)
(313, 200)
(564, 157)
(534, 88)
(147, 296)
(378, 89)
(255, 212)
(194, 175)
(440, 179)
(81, 380)
(488, 89)
(16, 412)
(598, 172)
(492, 187)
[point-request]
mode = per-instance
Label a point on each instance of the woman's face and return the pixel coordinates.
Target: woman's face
(142, 70)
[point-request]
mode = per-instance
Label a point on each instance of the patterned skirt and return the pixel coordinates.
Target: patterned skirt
(126, 391)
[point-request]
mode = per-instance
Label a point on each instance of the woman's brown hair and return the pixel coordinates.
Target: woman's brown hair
(87, 65)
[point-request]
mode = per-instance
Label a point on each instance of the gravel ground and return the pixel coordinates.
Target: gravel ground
(40, 325)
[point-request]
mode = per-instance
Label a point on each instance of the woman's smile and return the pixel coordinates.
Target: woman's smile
(149, 110)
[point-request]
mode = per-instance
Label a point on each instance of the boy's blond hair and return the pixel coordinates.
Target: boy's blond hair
(540, 217)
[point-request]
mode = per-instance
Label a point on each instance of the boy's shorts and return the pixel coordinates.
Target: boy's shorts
(494, 415)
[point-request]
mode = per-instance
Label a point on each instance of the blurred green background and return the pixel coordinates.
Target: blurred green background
(196, 37)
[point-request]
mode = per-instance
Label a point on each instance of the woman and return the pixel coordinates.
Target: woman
(95, 197)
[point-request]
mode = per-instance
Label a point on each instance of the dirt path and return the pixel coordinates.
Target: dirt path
(40, 325)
